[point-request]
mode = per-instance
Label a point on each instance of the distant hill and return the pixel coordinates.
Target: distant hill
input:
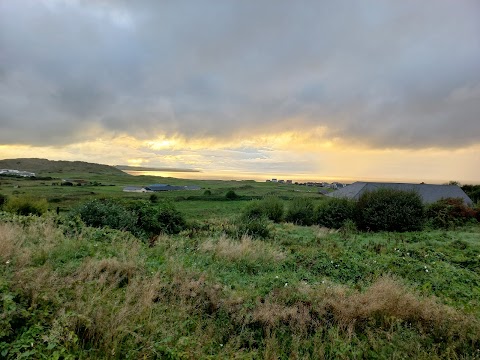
(143, 168)
(44, 166)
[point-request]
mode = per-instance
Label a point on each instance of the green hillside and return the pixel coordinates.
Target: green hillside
(45, 167)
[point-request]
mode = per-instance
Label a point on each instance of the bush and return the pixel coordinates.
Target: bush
(171, 220)
(301, 211)
(253, 221)
(231, 195)
(3, 200)
(273, 208)
(390, 210)
(100, 213)
(207, 193)
(449, 212)
(26, 205)
(334, 212)
(157, 219)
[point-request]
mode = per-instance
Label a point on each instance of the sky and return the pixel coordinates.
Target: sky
(308, 89)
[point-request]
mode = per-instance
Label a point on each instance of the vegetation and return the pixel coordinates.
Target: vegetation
(333, 213)
(390, 210)
(305, 292)
(449, 213)
(301, 211)
(192, 275)
(25, 205)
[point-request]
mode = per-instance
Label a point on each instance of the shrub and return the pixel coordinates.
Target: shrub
(26, 205)
(100, 213)
(390, 210)
(207, 193)
(258, 227)
(231, 195)
(153, 198)
(334, 212)
(3, 200)
(171, 220)
(157, 219)
(449, 212)
(273, 208)
(301, 211)
(253, 221)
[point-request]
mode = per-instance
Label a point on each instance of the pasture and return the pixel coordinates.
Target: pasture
(307, 292)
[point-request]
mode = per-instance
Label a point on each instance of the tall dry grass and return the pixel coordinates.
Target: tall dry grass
(386, 302)
(244, 249)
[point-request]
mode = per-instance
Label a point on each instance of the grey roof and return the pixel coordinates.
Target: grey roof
(428, 192)
(165, 187)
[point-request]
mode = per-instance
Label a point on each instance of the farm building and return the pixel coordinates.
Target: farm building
(428, 192)
(159, 187)
(134, 189)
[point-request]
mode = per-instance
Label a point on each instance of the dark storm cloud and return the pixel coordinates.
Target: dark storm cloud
(383, 73)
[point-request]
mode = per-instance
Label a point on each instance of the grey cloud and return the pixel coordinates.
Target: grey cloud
(385, 74)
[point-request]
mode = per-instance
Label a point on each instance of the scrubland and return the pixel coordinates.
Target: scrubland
(71, 291)
(268, 272)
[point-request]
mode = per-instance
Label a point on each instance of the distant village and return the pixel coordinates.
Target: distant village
(334, 185)
(10, 172)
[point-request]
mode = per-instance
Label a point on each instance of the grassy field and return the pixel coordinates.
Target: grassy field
(71, 291)
(110, 184)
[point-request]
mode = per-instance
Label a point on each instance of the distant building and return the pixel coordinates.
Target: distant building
(274, 180)
(289, 181)
(11, 172)
(166, 187)
(134, 189)
(429, 193)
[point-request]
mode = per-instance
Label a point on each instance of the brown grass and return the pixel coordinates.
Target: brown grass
(245, 249)
(384, 303)
(9, 241)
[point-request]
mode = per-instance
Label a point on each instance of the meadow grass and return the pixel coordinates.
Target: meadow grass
(71, 291)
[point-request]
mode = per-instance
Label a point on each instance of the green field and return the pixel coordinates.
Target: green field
(303, 292)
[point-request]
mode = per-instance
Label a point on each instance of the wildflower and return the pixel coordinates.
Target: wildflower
(426, 270)
(276, 277)
(286, 284)
(7, 262)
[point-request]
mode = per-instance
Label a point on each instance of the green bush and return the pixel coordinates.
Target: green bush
(156, 219)
(231, 195)
(334, 212)
(390, 210)
(253, 221)
(171, 220)
(3, 200)
(449, 212)
(100, 213)
(26, 205)
(207, 193)
(273, 208)
(301, 211)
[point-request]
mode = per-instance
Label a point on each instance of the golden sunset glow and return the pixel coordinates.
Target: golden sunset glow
(260, 92)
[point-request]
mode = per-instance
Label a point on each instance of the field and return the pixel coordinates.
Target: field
(304, 292)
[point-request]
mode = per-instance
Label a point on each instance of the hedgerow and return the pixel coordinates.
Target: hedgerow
(390, 210)
(334, 212)
(449, 212)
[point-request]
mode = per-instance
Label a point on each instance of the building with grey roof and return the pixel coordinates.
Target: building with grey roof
(428, 192)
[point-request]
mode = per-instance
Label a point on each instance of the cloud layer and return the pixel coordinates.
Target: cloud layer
(381, 74)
